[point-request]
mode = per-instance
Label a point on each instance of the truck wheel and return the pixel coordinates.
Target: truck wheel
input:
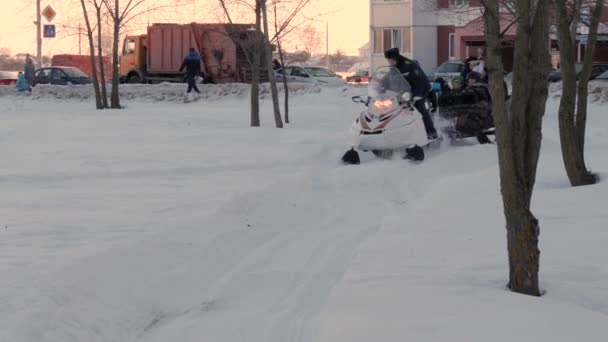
(133, 79)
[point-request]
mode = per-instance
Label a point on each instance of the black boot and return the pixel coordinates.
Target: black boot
(483, 139)
(415, 153)
(351, 157)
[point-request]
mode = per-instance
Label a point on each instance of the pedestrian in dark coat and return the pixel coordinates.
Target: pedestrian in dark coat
(421, 86)
(276, 65)
(192, 64)
(467, 67)
(29, 70)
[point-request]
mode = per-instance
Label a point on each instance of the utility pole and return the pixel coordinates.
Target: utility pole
(80, 39)
(327, 44)
(194, 11)
(38, 23)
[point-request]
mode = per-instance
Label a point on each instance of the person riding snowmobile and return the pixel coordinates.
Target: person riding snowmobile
(471, 106)
(421, 86)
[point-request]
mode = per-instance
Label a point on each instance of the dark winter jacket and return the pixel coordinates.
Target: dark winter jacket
(276, 65)
(471, 107)
(421, 86)
(29, 70)
(467, 67)
(192, 64)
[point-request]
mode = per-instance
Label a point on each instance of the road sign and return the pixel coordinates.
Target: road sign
(585, 15)
(584, 39)
(49, 31)
(49, 13)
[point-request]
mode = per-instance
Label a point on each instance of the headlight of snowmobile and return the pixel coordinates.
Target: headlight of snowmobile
(383, 104)
(406, 97)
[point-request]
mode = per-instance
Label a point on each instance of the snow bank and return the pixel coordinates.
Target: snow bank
(164, 92)
(168, 222)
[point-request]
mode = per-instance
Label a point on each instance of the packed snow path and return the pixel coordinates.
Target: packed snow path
(174, 222)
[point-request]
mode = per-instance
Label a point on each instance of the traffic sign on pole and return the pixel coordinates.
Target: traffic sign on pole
(49, 13)
(585, 15)
(49, 31)
(584, 39)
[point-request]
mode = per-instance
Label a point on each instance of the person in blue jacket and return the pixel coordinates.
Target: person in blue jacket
(22, 84)
(192, 64)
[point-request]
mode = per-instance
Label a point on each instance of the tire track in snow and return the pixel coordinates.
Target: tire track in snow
(260, 269)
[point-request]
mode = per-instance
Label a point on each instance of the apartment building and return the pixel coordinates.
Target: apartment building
(434, 31)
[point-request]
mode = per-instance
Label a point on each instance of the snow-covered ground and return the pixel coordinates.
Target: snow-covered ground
(177, 222)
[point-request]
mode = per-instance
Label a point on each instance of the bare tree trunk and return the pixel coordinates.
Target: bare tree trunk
(115, 96)
(255, 90)
(518, 131)
(255, 69)
(583, 84)
(98, 100)
(285, 85)
(282, 59)
(278, 120)
(572, 127)
(102, 73)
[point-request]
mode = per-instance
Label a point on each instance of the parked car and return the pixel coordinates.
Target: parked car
(596, 70)
(309, 74)
(358, 77)
(61, 76)
(602, 77)
(8, 77)
(448, 70)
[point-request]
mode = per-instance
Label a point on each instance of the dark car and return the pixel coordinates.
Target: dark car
(358, 77)
(448, 70)
(61, 76)
(8, 77)
(596, 70)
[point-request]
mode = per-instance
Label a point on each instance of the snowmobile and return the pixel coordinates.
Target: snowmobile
(390, 124)
(482, 137)
(451, 131)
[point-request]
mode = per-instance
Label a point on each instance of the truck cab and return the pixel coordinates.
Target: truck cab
(133, 59)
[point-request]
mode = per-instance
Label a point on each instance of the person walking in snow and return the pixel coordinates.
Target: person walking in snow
(29, 70)
(421, 86)
(192, 65)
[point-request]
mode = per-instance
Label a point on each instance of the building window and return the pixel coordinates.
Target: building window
(385, 39)
(378, 41)
(457, 3)
(452, 45)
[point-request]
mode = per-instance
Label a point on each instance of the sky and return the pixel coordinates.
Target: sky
(348, 23)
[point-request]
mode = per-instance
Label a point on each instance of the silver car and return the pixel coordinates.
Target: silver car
(309, 74)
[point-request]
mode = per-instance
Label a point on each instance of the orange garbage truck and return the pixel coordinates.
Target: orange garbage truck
(158, 55)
